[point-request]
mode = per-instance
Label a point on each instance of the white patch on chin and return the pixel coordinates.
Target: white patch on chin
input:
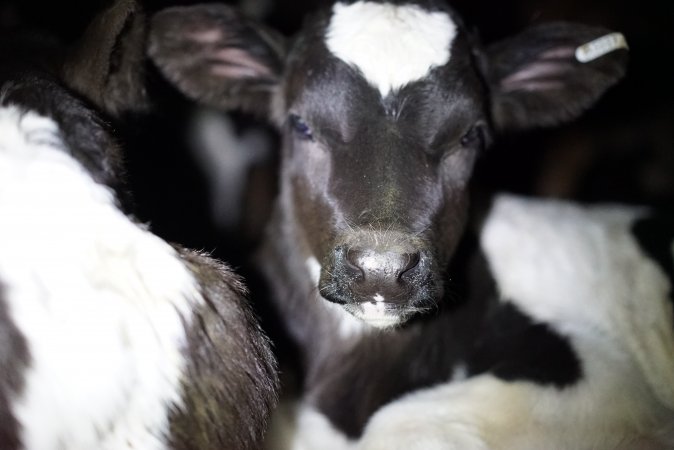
(376, 314)
(391, 45)
(98, 299)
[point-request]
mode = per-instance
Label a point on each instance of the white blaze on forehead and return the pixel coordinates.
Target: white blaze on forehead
(392, 45)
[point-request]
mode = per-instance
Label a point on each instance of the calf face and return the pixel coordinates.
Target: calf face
(384, 107)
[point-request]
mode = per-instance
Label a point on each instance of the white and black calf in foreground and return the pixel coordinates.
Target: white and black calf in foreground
(384, 108)
(110, 338)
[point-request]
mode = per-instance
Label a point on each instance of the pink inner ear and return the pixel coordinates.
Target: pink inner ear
(211, 36)
(540, 75)
(237, 63)
(559, 53)
(546, 72)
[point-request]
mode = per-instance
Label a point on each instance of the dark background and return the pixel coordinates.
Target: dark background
(621, 151)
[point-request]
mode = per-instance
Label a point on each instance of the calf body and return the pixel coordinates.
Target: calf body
(384, 108)
(112, 337)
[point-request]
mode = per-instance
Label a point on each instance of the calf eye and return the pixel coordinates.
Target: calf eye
(474, 137)
(300, 128)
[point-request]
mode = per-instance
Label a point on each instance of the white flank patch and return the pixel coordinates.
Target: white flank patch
(98, 299)
(486, 413)
(581, 270)
(391, 45)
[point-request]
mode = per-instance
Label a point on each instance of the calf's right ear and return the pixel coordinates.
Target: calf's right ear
(216, 56)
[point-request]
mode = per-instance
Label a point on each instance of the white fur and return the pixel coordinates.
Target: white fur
(98, 299)
(487, 413)
(391, 45)
(298, 426)
(376, 314)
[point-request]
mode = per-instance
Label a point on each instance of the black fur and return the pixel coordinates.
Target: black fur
(230, 384)
(85, 133)
(655, 235)
(512, 347)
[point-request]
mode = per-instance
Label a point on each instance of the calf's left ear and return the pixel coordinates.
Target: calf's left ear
(551, 73)
(215, 55)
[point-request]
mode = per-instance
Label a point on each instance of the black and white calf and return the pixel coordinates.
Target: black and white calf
(384, 107)
(110, 338)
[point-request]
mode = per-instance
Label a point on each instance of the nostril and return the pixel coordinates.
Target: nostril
(409, 262)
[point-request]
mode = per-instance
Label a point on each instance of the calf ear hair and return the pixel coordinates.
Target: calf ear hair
(105, 65)
(537, 78)
(214, 55)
